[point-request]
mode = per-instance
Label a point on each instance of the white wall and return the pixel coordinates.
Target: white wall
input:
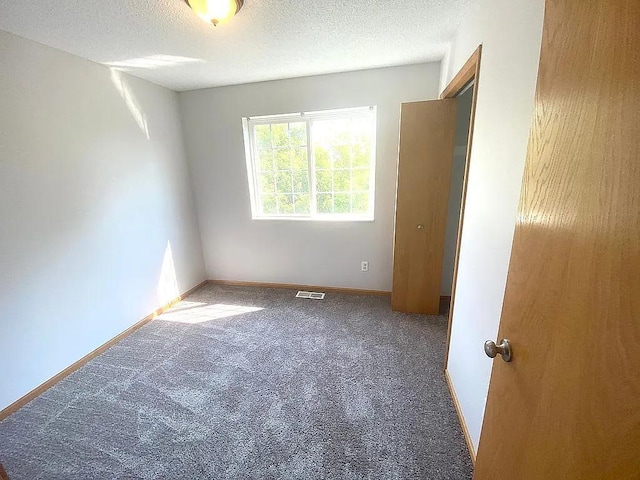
(510, 32)
(93, 192)
(302, 252)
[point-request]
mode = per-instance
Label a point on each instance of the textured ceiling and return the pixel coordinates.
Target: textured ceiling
(163, 41)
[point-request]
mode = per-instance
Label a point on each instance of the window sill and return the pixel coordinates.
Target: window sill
(327, 218)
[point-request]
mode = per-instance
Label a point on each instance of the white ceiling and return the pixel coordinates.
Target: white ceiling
(165, 42)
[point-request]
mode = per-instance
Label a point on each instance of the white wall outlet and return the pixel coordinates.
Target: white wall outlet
(365, 266)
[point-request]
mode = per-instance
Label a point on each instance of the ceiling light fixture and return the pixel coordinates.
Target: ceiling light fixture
(215, 11)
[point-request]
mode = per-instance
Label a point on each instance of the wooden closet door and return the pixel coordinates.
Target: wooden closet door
(427, 134)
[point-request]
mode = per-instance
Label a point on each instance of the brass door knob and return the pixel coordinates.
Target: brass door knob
(503, 348)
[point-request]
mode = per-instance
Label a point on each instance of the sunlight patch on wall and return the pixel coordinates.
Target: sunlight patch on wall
(194, 314)
(152, 62)
(167, 284)
(130, 100)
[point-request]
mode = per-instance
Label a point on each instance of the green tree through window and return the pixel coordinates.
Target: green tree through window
(314, 165)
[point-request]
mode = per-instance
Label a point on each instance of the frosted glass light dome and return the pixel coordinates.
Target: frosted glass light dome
(215, 11)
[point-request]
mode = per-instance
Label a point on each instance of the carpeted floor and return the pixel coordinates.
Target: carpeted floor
(246, 383)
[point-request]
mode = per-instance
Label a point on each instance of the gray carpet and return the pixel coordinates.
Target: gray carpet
(338, 389)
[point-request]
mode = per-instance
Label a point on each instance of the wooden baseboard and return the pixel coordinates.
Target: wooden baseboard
(101, 349)
(314, 288)
(445, 300)
(463, 424)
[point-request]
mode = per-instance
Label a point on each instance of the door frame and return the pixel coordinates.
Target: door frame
(470, 72)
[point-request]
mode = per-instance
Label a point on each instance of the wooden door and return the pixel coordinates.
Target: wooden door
(568, 406)
(427, 134)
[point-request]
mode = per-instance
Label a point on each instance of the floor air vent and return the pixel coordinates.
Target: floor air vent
(311, 295)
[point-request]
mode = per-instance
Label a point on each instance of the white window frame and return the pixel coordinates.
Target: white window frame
(251, 155)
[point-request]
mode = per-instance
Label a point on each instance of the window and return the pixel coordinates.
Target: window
(313, 166)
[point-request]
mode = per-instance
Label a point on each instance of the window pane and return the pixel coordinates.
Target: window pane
(283, 158)
(322, 133)
(321, 156)
(342, 156)
(300, 159)
(360, 203)
(302, 204)
(298, 134)
(342, 150)
(285, 204)
(263, 136)
(342, 180)
(340, 132)
(269, 206)
(362, 154)
(332, 132)
(360, 180)
(284, 183)
(325, 202)
(342, 203)
(362, 129)
(265, 160)
(301, 182)
(324, 181)
(267, 183)
(280, 132)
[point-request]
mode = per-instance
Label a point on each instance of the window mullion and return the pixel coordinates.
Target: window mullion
(351, 140)
(313, 206)
(275, 171)
(256, 171)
